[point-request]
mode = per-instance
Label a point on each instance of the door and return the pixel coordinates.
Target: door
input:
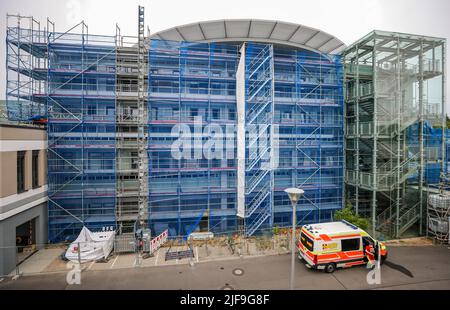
(369, 249)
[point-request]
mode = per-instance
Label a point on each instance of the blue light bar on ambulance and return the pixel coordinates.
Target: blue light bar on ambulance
(349, 224)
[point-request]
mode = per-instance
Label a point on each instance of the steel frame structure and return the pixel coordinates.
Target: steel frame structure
(395, 96)
(26, 66)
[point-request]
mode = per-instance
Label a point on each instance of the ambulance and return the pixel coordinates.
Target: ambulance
(328, 246)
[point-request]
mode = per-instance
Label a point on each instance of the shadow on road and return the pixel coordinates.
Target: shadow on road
(399, 268)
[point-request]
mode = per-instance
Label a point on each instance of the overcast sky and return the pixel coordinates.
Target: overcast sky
(348, 20)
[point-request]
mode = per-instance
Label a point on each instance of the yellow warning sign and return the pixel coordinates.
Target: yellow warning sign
(329, 246)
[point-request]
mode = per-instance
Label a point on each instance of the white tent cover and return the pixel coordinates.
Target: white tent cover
(93, 246)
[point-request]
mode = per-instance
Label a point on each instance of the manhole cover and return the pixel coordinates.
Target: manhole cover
(238, 272)
(227, 287)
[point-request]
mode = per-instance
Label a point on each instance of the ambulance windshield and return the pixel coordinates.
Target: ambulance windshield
(307, 242)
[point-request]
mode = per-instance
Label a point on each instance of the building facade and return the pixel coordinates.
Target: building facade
(201, 127)
(23, 193)
(292, 96)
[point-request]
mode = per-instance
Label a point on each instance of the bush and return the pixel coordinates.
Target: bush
(276, 230)
(348, 215)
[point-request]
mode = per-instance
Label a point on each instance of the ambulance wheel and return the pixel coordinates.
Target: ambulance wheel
(330, 268)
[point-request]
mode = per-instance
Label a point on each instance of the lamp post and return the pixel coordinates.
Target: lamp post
(294, 195)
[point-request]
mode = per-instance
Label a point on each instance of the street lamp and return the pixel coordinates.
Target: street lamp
(294, 195)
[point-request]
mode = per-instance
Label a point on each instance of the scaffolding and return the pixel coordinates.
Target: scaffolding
(142, 128)
(191, 85)
(308, 111)
(395, 98)
(259, 155)
(132, 129)
(127, 119)
(189, 80)
(81, 132)
(112, 102)
(438, 216)
(26, 67)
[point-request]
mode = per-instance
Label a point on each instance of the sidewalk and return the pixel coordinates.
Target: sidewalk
(47, 261)
(417, 241)
(51, 260)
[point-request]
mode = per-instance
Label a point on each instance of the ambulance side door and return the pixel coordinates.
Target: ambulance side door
(369, 248)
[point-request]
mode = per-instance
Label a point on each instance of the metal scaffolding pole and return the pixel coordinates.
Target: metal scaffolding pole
(444, 102)
(375, 138)
(142, 126)
(357, 130)
(421, 151)
(399, 135)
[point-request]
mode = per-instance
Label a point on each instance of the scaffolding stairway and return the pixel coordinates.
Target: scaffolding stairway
(408, 216)
(259, 98)
(142, 127)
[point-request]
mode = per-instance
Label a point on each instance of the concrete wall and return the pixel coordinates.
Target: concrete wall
(8, 234)
(42, 177)
(12, 140)
(22, 133)
(8, 175)
(19, 208)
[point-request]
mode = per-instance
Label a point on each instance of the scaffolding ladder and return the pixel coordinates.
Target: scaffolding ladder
(142, 127)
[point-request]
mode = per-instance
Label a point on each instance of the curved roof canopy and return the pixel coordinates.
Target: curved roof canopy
(267, 31)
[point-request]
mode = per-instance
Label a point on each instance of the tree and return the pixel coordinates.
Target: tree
(348, 215)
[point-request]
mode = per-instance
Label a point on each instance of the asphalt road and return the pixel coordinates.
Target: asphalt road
(428, 265)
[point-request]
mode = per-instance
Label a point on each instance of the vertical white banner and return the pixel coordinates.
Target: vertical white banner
(240, 101)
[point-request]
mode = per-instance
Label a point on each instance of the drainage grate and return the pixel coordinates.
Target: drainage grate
(179, 254)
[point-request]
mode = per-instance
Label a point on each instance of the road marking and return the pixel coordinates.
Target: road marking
(115, 259)
(157, 255)
(196, 253)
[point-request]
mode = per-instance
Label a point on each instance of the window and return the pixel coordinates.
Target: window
(92, 110)
(307, 242)
(215, 163)
(95, 161)
(232, 114)
(368, 241)
(20, 171)
(35, 169)
(350, 244)
(134, 160)
(215, 113)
